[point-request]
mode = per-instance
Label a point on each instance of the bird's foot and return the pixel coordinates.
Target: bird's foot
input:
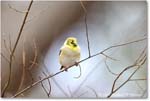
(76, 63)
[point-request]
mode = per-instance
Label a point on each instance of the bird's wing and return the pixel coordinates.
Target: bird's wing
(59, 52)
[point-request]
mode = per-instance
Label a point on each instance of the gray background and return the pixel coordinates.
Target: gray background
(50, 23)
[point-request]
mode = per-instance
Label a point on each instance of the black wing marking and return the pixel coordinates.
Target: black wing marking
(59, 52)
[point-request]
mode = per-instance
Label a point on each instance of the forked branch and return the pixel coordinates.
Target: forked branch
(141, 60)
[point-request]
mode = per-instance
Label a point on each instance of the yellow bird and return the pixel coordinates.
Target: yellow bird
(69, 53)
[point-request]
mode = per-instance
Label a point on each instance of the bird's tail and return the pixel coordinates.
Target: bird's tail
(62, 67)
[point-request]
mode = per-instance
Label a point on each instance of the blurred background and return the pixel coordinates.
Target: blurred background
(49, 24)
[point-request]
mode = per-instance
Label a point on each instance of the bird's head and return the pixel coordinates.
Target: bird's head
(71, 42)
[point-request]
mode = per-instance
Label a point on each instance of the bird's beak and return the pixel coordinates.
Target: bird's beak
(74, 44)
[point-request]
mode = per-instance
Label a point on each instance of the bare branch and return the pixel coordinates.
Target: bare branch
(23, 68)
(10, 42)
(6, 47)
(57, 84)
(110, 71)
(138, 65)
(139, 85)
(30, 74)
(16, 9)
(55, 81)
(82, 94)
(144, 92)
(7, 60)
(35, 56)
(137, 79)
(34, 17)
(123, 44)
(86, 27)
(50, 76)
(14, 48)
(49, 84)
(93, 91)
(109, 57)
(80, 72)
(44, 88)
(85, 11)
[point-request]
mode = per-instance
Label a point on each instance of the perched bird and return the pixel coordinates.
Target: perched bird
(69, 53)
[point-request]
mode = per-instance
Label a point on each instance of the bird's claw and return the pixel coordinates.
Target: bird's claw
(76, 63)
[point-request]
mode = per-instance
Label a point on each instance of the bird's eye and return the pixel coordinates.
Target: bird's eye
(72, 41)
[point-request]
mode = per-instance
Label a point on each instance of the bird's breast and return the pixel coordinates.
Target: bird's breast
(69, 57)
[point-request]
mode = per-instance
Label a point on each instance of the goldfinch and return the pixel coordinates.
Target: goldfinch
(69, 53)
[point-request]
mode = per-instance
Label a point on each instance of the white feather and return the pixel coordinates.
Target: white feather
(68, 56)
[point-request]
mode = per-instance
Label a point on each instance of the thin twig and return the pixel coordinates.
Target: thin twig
(44, 87)
(85, 11)
(57, 84)
(55, 81)
(6, 47)
(80, 72)
(123, 44)
(110, 71)
(34, 17)
(93, 91)
(86, 27)
(14, 48)
(82, 94)
(30, 75)
(10, 42)
(86, 78)
(139, 58)
(137, 79)
(35, 56)
(144, 92)
(109, 57)
(138, 65)
(50, 76)
(138, 85)
(16, 9)
(124, 70)
(23, 68)
(4, 57)
(49, 84)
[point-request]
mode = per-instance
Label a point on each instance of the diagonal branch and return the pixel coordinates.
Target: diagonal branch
(138, 65)
(50, 76)
(123, 44)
